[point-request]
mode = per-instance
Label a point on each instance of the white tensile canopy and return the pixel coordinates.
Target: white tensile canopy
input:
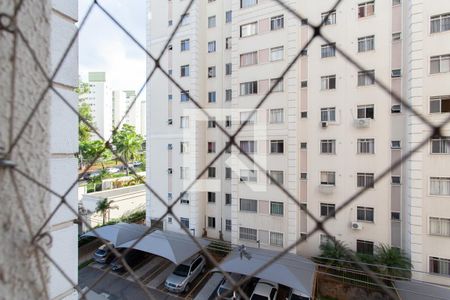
(118, 233)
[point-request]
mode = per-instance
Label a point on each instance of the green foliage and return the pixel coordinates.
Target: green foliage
(84, 131)
(135, 217)
(89, 151)
(103, 207)
(335, 251)
(128, 143)
(96, 181)
(395, 261)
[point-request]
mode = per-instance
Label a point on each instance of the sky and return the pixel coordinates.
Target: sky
(104, 47)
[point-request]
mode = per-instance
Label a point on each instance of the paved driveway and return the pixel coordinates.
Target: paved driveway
(116, 286)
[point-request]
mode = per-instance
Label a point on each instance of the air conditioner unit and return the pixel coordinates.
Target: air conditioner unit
(324, 124)
(356, 226)
(169, 170)
(362, 123)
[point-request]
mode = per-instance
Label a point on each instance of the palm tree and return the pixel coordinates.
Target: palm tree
(335, 253)
(103, 207)
(128, 143)
(394, 260)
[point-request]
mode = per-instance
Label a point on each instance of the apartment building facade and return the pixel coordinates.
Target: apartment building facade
(326, 131)
(100, 99)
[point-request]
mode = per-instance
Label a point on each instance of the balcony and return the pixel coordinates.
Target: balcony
(327, 188)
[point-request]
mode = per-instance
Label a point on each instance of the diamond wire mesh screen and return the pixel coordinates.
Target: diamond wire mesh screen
(7, 26)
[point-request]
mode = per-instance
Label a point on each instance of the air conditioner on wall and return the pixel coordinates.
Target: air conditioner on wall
(362, 123)
(356, 226)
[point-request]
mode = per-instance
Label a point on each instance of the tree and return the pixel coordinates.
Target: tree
(94, 150)
(97, 179)
(84, 131)
(335, 253)
(396, 262)
(128, 143)
(103, 207)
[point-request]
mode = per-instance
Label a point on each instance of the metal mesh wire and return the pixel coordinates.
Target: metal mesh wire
(7, 25)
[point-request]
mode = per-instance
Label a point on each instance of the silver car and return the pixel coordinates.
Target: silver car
(184, 274)
(225, 289)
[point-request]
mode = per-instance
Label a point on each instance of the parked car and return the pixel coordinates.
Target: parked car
(184, 274)
(103, 254)
(132, 258)
(297, 295)
(113, 170)
(265, 290)
(225, 289)
(137, 163)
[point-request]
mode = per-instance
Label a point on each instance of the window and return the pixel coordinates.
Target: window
(247, 233)
(184, 71)
(184, 198)
(211, 21)
(276, 146)
(327, 178)
(211, 72)
(169, 122)
(277, 87)
(277, 22)
(304, 52)
(303, 176)
(248, 3)
(184, 147)
(227, 121)
(184, 122)
(227, 225)
(440, 23)
(248, 175)
(329, 18)
(328, 146)
(248, 29)
(276, 53)
(211, 222)
(328, 114)
(277, 177)
(440, 186)
(365, 111)
(303, 145)
(365, 180)
(169, 146)
(185, 19)
(327, 209)
(395, 216)
(440, 266)
(228, 16)
(366, 77)
(328, 50)
(396, 180)
(184, 173)
(366, 9)
(211, 46)
(396, 2)
(440, 145)
(276, 208)
(247, 116)
(228, 95)
(170, 22)
(211, 97)
(228, 43)
(325, 239)
(212, 122)
(184, 45)
(228, 69)
(249, 205)
(276, 116)
(366, 43)
(304, 22)
(169, 220)
(366, 146)
(439, 226)
(304, 84)
(364, 247)
(170, 71)
(169, 97)
(328, 82)
(184, 222)
(276, 239)
(184, 96)
(227, 199)
(227, 173)
(227, 147)
(395, 144)
(440, 104)
(396, 109)
(304, 114)
(248, 59)
(211, 147)
(249, 88)
(396, 36)
(440, 64)
(211, 197)
(364, 214)
(248, 146)
(211, 172)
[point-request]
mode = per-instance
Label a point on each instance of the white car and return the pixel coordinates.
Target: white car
(225, 289)
(265, 290)
(113, 170)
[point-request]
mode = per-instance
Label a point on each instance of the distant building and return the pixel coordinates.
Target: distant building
(100, 101)
(119, 107)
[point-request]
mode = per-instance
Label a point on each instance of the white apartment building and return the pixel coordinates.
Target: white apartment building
(325, 132)
(100, 101)
(119, 106)
(121, 102)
